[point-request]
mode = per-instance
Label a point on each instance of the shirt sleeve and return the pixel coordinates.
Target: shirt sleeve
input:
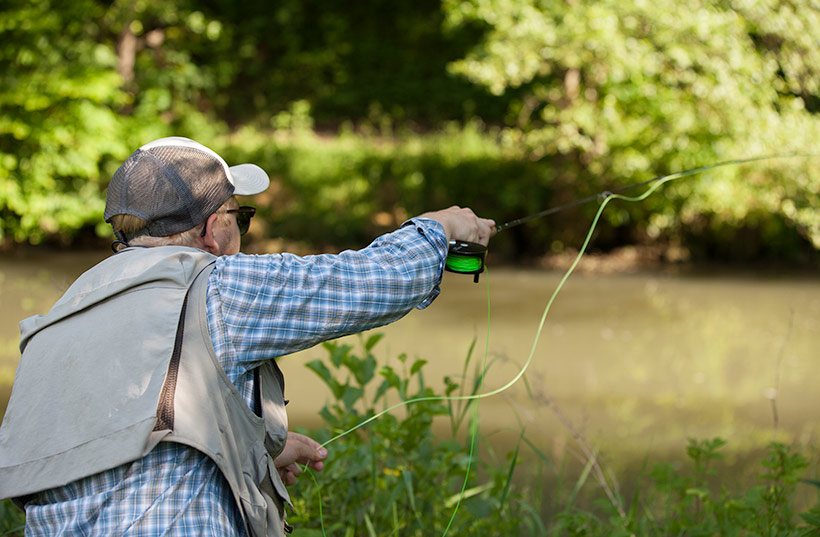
(264, 306)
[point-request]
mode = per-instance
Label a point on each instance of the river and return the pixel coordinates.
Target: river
(634, 363)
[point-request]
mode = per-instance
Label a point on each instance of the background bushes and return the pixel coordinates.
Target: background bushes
(368, 113)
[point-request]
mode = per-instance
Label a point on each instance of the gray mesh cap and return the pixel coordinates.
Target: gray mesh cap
(175, 184)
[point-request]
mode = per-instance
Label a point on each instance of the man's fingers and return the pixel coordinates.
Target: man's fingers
(486, 229)
(294, 469)
(287, 477)
(481, 228)
(299, 451)
(461, 223)
(308, 450)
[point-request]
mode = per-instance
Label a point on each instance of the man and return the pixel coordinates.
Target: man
(148, 400)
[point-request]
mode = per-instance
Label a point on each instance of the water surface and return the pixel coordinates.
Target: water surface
(635, 363)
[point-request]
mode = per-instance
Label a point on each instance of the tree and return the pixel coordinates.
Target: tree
(58, 92)
(618, 91)
(81, 84)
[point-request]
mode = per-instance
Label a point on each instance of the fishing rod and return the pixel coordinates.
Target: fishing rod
(465, 257)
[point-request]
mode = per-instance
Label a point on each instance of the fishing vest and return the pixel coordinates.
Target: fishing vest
(123, 361)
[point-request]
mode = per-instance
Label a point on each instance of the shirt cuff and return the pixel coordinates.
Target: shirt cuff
(434, 233)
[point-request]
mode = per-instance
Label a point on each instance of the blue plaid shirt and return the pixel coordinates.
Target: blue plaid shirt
(259, 307)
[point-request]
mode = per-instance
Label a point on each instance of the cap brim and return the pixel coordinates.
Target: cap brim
(248, 179)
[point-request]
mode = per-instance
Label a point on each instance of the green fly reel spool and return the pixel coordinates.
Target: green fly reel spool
(465, 257)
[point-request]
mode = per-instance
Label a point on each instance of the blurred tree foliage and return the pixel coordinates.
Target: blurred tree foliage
(348, 59)
(58, 119)
(72, 107)
(636, 89)
(370, 111)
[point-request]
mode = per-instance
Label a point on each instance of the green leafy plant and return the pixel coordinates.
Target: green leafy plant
(12, 520)
(681, 502)
(694, 507)
(394, 476)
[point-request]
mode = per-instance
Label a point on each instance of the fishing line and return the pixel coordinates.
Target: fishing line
(677, 175)
(460, 262)
(468, 257)
(473, 435)
(509, 384)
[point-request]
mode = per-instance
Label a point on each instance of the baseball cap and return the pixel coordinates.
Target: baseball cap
(175, 184)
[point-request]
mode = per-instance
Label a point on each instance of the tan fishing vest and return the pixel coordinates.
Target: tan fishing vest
(100, 383)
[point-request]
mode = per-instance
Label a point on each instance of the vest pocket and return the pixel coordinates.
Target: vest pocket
(265, 508)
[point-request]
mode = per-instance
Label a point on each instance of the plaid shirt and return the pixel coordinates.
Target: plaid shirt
(259, 307)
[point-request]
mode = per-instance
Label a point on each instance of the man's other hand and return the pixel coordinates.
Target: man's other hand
(299, 451)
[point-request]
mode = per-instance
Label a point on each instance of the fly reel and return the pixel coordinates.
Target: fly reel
(464, 257)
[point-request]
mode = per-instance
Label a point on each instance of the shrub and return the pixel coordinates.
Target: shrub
(395, 476)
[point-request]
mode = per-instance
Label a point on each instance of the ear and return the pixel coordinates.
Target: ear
(209, 243)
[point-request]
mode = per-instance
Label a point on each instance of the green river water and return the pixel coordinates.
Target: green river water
(636, 363)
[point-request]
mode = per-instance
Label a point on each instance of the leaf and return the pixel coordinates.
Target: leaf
(812, 516)
(468, 493)
(351, 395)
(372, 340)
(383, 387)
(319, 367)
(339, 353)
(450, 386)
(328, 416)
(633, 511)
(510, 472)
(390, 376)
(310, 532)
(582, 479)
(367, 368)
(371, 531)
(541, 454)
(417, 365)
(701, 494)
(407, 478)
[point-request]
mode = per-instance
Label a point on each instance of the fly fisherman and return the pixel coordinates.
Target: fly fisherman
(148, 401)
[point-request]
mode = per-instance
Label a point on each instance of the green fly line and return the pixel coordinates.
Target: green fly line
(466, 264)
(463, 263)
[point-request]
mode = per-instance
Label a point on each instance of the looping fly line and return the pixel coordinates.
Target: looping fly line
(469, 265)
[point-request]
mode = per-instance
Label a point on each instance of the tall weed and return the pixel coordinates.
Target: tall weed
(395, 476)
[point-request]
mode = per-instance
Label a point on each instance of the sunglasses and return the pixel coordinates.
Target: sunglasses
(243, 218)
